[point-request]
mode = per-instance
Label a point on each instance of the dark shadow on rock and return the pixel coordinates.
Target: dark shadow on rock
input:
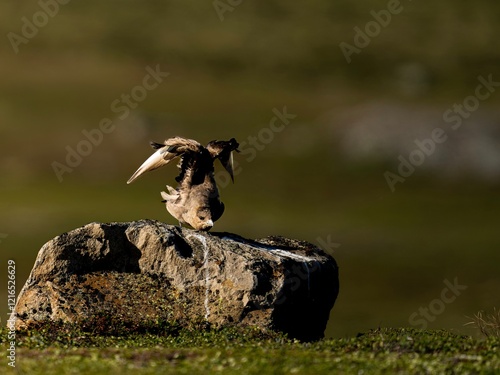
(126, 255)
(86, 253)
(302, 309)
(181, 246)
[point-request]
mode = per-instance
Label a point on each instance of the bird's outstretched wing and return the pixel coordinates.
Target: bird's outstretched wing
(223, 150)
(165, 153)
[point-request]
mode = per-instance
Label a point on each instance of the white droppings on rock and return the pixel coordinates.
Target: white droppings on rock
(272, 250)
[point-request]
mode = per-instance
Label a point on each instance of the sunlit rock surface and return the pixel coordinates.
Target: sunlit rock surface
(147, 272)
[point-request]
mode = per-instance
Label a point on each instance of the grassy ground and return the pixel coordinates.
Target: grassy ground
(58, 350)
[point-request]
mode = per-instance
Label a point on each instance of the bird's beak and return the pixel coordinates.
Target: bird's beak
(229, 166)
(228, 163)
(208, 225)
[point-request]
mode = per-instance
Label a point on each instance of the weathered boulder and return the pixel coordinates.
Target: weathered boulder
(147, 271)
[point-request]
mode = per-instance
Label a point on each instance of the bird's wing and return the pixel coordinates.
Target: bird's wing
(172, 148)
(160, 158)
(223, 150)
(181, 145)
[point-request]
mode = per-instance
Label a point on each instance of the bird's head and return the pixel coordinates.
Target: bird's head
(202, 219)
(223, 150)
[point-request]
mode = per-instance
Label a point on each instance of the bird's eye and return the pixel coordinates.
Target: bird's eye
(201, 217)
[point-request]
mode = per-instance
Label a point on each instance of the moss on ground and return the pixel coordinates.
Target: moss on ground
(58, 348)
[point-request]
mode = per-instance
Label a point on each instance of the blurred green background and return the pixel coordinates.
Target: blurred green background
(321, 179)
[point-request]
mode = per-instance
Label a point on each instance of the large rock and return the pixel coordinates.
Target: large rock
(146, 271)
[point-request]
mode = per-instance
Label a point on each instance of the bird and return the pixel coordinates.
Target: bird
(196, 200)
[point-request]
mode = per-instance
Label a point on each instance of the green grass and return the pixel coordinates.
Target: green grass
(488, 323)
(62, 349)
